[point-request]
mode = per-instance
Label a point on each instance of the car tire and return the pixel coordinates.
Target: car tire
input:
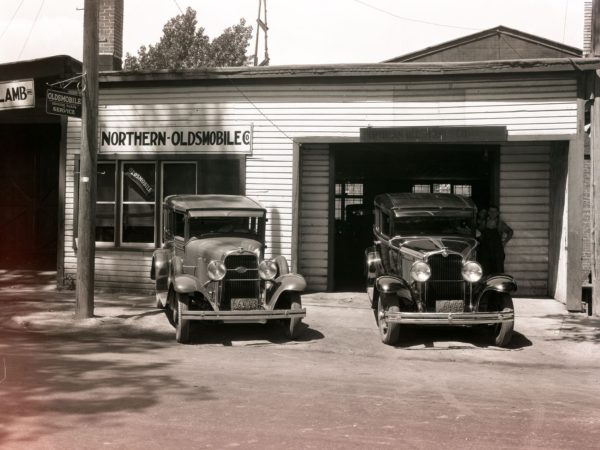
(292, 326)
(182, 326)
(502, 332)
(389, 332)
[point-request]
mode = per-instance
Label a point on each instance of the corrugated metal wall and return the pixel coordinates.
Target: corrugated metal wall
(525, 207)
(314, 215)
(281, 113)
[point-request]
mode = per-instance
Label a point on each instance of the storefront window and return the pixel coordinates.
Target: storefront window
(139, 197)
(106, 202)
(179, 178)
(129, 193)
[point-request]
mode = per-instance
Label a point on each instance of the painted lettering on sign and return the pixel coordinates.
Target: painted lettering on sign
(177, 139)
(140, 181)
(63, 103)
(17, 94)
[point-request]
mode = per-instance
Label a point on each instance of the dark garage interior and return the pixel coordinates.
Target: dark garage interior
(364, 171)
(29, 168)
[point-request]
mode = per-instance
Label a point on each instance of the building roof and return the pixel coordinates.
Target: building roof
(212, 202)
(317, 72)
(403, 202)
(508, 43)
(49, 67)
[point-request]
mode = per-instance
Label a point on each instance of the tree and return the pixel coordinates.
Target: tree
(183, 46)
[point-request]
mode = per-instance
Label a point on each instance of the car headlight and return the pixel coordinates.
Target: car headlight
(420, 271)
(216, 270)
(472, 271)
(267, 270)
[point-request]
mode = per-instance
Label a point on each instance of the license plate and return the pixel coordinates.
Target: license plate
(244, 303)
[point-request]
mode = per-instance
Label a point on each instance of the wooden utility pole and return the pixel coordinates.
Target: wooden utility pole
(595, 163)
(87, 171)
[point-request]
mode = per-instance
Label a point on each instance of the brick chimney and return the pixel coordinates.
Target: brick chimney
(110, 27)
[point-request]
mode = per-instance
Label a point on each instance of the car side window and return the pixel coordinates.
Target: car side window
(179, 225)
(385, 224)
(168, 224)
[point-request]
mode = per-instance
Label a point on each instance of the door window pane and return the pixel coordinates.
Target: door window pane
(138, 182)
(139, 195)
(138, 222)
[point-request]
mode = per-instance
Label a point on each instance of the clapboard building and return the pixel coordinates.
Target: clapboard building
(498, 116)
(323, 138)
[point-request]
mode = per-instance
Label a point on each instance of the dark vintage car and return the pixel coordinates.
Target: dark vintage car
(422, 268)
(212, 268)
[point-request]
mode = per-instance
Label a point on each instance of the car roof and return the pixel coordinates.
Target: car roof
(401, 202)
(212, 202)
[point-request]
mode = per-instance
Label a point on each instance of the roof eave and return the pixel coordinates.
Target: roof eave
(357, 70)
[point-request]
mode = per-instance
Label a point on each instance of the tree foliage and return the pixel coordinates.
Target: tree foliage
(184, 46)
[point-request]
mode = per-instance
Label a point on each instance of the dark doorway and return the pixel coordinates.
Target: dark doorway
(364, 171)
(29, 163)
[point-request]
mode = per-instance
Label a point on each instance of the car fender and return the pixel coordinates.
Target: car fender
(373, 268)
(499, 283)
(160, 264)
(188, 284)
(285, 283)
(392, 285)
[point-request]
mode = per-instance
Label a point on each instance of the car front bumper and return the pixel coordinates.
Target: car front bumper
(251, 316)
(450, 318)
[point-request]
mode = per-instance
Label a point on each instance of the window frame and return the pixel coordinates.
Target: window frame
(158, 160)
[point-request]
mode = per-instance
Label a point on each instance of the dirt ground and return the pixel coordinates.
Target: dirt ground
(119, 380)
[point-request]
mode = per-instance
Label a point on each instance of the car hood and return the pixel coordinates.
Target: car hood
(218, 247)
(421, 247)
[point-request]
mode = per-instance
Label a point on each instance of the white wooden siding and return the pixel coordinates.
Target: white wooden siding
(314, 215)
(525, 206)
(283, 112)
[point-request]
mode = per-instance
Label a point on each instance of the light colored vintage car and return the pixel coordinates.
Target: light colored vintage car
(422, 268)
(212, 268)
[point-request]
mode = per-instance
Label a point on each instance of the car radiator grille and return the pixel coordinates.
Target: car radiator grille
(241, 279)
(446, 282)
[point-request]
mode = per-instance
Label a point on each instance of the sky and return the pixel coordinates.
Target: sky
(300, 31)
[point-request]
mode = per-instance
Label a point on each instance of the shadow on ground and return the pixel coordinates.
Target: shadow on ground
(577, 328)
(249, 334)
(433, 336)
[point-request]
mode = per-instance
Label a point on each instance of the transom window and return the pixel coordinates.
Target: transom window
(444, 188)
(347, 193)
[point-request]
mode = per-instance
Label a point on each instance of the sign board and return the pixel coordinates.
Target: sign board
(434, 134)
(17, 94)
(63, 103)
(202, 139)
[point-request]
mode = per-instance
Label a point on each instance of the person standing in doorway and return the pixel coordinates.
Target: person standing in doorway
(494, 236)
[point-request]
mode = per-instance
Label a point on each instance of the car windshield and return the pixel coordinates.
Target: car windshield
(203, 226)
(437, 226)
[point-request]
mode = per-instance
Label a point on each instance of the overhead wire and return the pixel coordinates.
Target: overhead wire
(37, 15)
(11, 19)
(410, 19)
(177, 4)
(565, 20)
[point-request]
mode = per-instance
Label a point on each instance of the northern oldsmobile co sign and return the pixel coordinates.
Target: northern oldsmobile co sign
(17, 94)
(203, 139)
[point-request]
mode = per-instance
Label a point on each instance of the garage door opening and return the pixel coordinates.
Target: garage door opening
(364, 171)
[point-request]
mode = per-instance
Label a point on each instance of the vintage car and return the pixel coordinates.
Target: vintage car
(211, 266)
(422, 268)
